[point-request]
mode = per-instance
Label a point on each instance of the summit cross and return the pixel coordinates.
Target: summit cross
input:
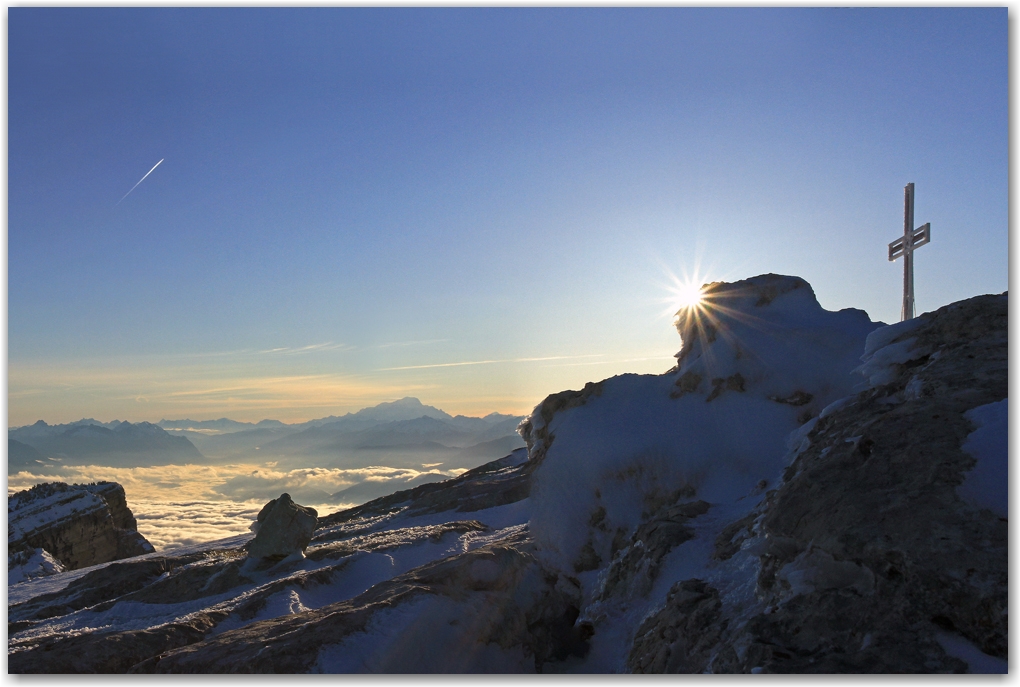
(904, 246)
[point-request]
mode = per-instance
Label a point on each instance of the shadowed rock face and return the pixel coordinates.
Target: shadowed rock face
(284, 528)
(79, 525)
(868, 554)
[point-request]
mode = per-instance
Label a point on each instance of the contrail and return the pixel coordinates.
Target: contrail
(141, 180)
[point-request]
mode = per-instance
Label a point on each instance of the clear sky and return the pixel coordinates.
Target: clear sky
(353, 203)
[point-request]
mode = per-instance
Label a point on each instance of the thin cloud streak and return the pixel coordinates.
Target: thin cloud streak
(663, 357)
(141, 180)
(410, 343)
(328, 346)
(490, 362)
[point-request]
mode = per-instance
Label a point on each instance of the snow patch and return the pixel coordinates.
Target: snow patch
(881, 366)
(883, 336)
(835, 405)
(986, 485)
(37, 564)
(977, 661)
(427, 634)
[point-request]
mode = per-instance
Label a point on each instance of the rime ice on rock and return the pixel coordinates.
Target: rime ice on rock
(283, 528)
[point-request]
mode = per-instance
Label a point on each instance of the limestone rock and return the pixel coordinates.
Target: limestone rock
(284, 528)
(78, 525)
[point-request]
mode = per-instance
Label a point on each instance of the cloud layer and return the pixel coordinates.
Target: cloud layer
(176, 505)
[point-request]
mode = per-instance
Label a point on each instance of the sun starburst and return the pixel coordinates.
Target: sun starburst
(687, 295)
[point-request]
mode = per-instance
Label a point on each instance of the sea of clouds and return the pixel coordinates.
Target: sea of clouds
(179, 505)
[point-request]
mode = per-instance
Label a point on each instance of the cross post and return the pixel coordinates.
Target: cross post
(904, 246)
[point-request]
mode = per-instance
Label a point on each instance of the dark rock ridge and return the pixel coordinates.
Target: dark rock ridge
(537, 625)
(79, 525)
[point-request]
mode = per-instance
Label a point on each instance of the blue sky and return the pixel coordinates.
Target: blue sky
(354, 202)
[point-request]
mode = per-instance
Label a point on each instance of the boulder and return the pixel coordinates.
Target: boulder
(282, 528)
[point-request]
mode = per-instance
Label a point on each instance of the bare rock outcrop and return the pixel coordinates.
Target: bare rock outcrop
(77, 525)
(284, 528)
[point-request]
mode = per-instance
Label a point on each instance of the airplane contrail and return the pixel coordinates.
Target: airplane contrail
(141, 180)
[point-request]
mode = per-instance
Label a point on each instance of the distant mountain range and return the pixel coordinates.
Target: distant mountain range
(215, 426)
(115, 443)
(403, 433)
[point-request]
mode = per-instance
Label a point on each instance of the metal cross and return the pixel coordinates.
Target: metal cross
(905, 245)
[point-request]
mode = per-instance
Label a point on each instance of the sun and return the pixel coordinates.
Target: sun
(687, 295)
(684, 293)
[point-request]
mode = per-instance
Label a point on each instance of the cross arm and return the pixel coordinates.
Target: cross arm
(918, 238)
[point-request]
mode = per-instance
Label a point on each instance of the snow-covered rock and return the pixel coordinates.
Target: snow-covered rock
(772, 504)
(986, 485)
(74, 525)
(760, 357)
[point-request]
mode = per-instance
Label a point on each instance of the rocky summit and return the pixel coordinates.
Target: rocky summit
(805, 492)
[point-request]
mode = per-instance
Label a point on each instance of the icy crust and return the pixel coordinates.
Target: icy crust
(987, 484)
(887, 348)
(759, 359)
(883, 336)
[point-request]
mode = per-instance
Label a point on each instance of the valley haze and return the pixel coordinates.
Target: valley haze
(191, 481)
